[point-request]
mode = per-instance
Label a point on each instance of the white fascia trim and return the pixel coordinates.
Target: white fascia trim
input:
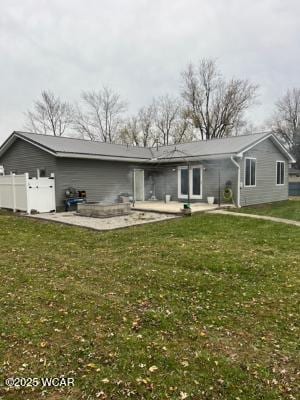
(35, 144)
(96, 157)
(282, 148)
(197, 158)
(240, 154)
(15, 136)
(7, 143)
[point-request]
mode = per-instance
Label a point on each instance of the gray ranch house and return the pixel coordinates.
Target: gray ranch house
(254, 166)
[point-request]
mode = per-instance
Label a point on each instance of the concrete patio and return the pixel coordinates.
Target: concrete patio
(103, 224)
(172, 207)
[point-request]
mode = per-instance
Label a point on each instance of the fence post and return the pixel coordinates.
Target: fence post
(52, 175)
(27, 192)
(13, 188)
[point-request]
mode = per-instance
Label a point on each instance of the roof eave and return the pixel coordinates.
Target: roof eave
(101, 157)
(15, 135)
(267, 136)
(40, 146)
(7, 143)
(10, 140)
(193, 158)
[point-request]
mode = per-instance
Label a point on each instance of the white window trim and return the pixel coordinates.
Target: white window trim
(250, 158)
(180, 196)
(192, 196)
(280, 184)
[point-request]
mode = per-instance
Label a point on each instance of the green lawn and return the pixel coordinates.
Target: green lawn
(289, 209)
(205, 307)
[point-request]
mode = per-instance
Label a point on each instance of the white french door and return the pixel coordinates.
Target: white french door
(190, 182)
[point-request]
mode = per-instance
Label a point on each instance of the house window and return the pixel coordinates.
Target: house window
(196, 173)
(184, 181)
(280, 172)
(41, 173)
(250, 172)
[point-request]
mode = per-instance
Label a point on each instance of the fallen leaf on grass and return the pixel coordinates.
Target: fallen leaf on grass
(91, 365)
(184, 363)
(183, 395)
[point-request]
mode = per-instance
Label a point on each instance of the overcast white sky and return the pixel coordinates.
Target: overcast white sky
(139, 48)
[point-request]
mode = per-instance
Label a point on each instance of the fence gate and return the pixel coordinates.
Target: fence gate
(294, 188)
(19, 192)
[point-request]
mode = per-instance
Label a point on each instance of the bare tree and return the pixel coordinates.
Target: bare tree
(286, 119)
(215, 107)
(82, 123)
(100, 117)
(184, 130)
(146, 117)
(130, 132)
(166, 115)
(171, 121)
(49, 116)
(139, 130)
(162, 122)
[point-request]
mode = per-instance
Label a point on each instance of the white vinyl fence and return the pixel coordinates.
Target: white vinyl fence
(19, 192)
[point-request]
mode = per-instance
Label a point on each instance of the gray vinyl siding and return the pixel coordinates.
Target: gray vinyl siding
(102, 180)
(161, 181)
(23, 157)
(105, 180)
(164, 180)
(223, 171)
(266, 190)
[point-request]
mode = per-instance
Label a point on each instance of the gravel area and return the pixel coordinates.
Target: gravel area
(103, 224)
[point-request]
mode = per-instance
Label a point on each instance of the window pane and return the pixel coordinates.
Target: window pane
(282, 173)
(253, 172)
(247, 172)
(196, 181)
(184, 181)
(278, 174)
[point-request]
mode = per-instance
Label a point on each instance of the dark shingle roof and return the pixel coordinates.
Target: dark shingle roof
(229, 145)
(88, 147)
(80, 148)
